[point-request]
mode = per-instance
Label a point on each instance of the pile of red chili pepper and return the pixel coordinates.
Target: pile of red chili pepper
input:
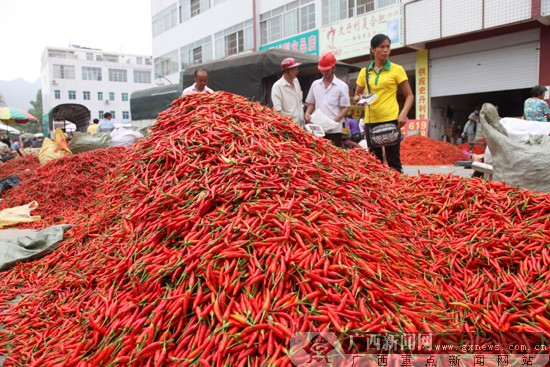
(63, 188)
(24, 167)
(478, 148)
(228, 229)
(418, 150)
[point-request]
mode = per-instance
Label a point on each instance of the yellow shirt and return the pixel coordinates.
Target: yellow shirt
(384, 84)
(92, 129)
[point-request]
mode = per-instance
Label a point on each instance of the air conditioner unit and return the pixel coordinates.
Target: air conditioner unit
(54, 82)
(107, 101)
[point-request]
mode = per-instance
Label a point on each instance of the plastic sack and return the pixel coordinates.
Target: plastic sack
(54, 149)
(29, 245)
(9, 182)
(523, 164)
(18, 214)
(519, 130)
(124, 137)
(83, 142)
(318, 117)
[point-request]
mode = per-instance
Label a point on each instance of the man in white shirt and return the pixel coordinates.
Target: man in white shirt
(330, 95)
(201, 79)
(287, 94)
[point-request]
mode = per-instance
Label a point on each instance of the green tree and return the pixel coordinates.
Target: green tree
(36, 111)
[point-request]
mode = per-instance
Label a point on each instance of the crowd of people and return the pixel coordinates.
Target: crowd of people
(378, 85)
(331, 96)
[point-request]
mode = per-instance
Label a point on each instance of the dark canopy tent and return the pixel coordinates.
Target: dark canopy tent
(253, 74)
(147, 103)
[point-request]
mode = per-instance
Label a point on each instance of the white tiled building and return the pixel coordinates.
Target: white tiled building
(99, 81)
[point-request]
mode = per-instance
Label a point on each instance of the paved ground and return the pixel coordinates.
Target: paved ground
(455, 170)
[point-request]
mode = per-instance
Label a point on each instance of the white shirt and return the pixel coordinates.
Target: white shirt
(288, 101)
(192, 89)
(330, 100)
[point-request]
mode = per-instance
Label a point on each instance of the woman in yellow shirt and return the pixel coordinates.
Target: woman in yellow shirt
(384, 78)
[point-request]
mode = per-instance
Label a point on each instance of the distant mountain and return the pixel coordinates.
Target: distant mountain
(18, 93)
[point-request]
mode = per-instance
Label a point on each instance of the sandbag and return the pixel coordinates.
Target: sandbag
(523, 164)
(83, 142)
(54, 149)
(519, 130)
(124, 137)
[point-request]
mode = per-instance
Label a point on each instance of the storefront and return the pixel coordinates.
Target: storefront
(500, 70)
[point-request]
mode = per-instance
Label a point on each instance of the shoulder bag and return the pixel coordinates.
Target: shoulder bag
(381, 135)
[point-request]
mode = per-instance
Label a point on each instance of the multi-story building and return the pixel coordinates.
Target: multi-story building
(457, 53)
(92, 82)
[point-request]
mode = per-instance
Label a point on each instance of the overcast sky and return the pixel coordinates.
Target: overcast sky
(28, 26)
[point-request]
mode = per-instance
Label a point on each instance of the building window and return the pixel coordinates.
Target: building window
(125, 115)
(192, 8)
(101, 113)
(63, 71)
(89, 56)
(72, 94)
(287, 20)
(124, 97)
(110, 58)
(196, 53)
(307, 18)
(142, 76)
(139, 60)
(167, 64)
(195, 7)
(100, 96)
(113, 113)
(89, 73)
(234, 39)
(165, 20)
(86, 95)
(234, 43)
(111, 96)
(334, 10)
(57, 94)
(118, 75)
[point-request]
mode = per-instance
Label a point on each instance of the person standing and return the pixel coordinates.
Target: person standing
(475, 123)
(330, 95)
(470, 129)
(287, 94)
(384, 78)
(92, 129)
(201, 79)
(536, 108)
(106, 125)
(353, 128)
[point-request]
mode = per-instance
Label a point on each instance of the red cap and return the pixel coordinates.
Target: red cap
(288, 63)
(327, 61)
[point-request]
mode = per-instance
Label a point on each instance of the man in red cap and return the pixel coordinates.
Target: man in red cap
(331, 96)
(287, 94)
